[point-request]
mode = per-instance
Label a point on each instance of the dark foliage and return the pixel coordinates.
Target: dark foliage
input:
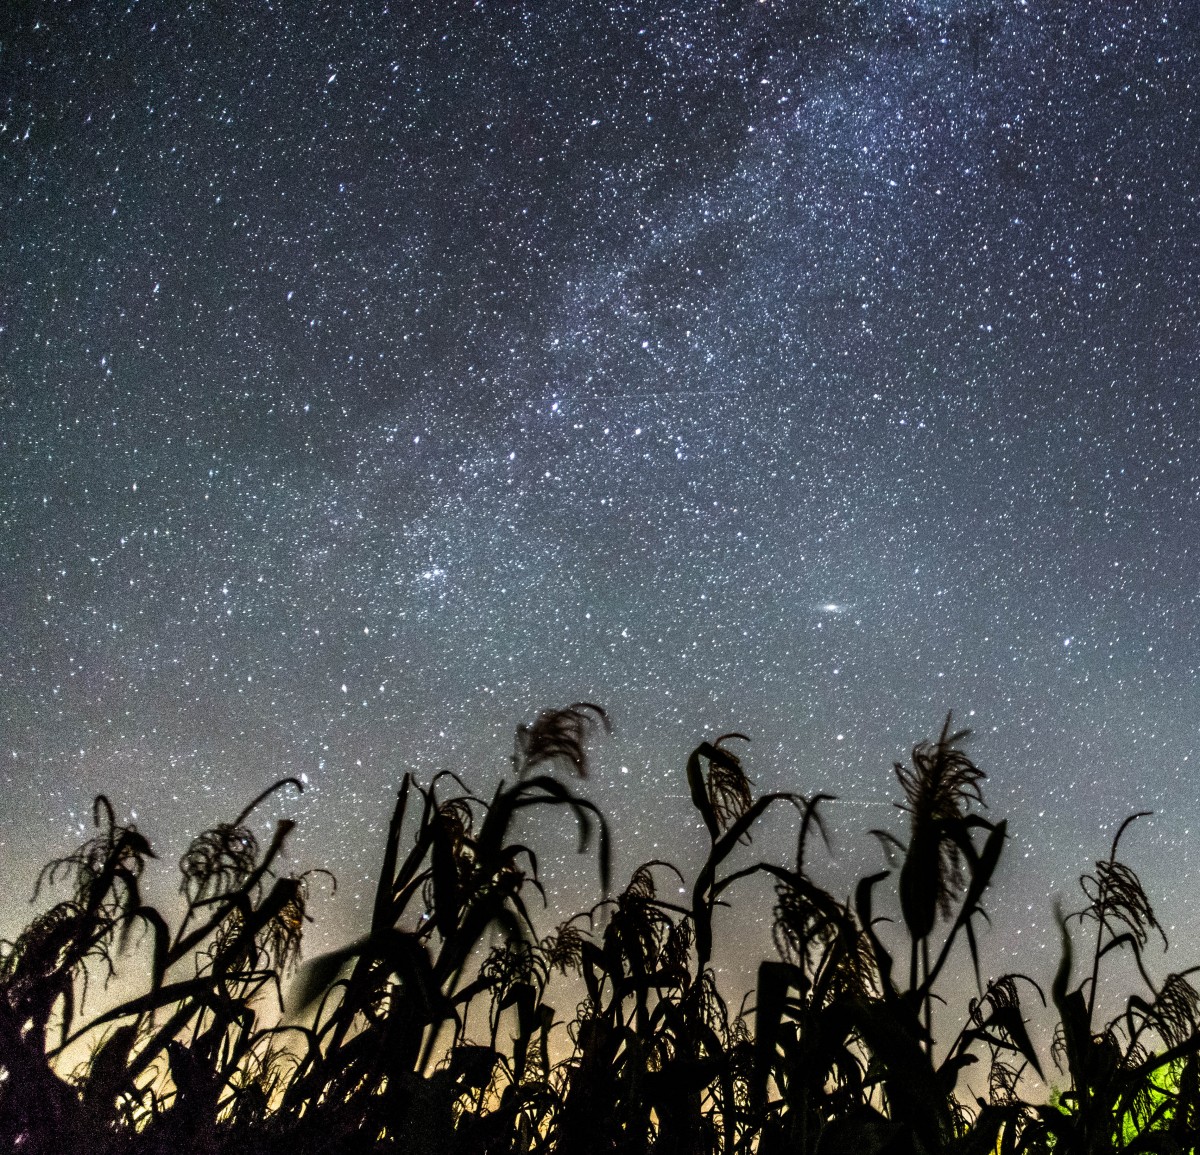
(434, 1032)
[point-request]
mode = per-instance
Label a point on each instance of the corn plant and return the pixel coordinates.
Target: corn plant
(439, 1029)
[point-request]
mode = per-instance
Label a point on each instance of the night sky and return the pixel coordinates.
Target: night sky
(373, 376)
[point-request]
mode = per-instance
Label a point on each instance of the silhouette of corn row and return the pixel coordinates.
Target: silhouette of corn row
(434, 1033)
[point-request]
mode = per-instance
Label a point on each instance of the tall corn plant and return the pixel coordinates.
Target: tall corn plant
(43, 976)
(1133, 1078)
(168, 1060)
(805, 1036)
(370, 1069)
(849, 1044)
(943, 876)
(659, 1066)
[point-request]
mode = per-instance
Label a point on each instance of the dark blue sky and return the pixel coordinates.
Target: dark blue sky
(372, 377)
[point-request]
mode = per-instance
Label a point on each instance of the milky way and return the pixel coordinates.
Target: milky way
(373, 377)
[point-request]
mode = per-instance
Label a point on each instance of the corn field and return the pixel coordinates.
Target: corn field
(443, 1029)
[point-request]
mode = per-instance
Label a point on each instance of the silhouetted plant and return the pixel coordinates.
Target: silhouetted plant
(433, 1031)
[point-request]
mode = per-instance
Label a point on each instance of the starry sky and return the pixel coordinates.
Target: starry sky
(373, 375)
